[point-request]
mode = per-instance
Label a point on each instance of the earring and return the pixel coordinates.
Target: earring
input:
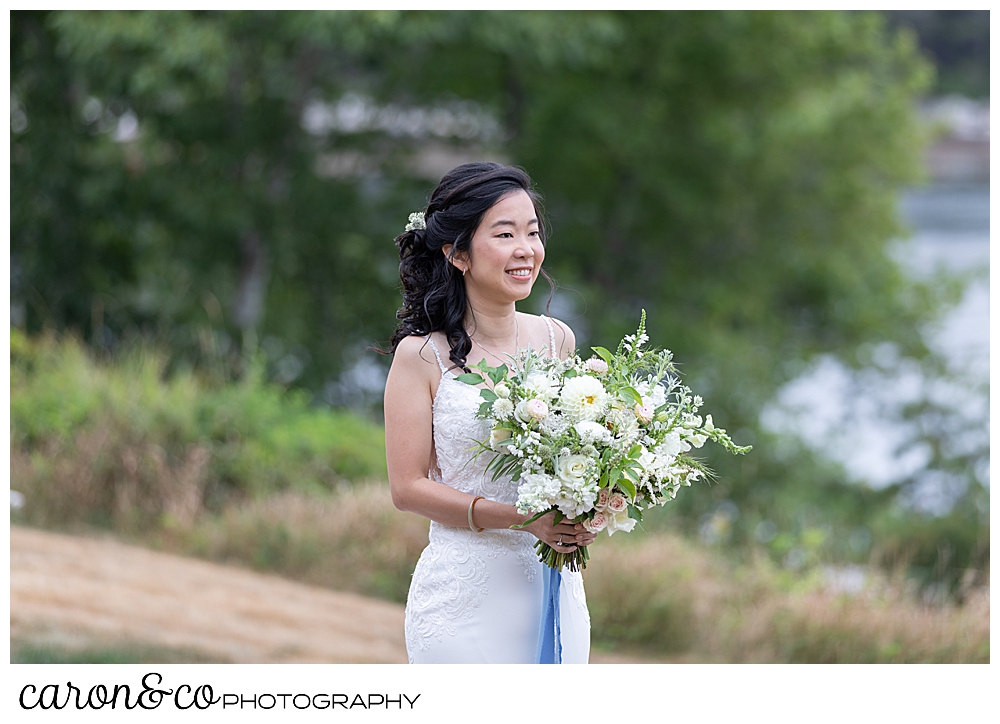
(463, 272)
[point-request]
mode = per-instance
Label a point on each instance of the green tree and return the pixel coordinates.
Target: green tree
(220, 178)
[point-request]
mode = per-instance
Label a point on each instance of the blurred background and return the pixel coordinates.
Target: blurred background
(202, 213)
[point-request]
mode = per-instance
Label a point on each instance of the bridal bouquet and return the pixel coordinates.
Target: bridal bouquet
(596, 440)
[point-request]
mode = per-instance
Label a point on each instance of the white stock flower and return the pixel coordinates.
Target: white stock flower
(658, 396)
(583, 398)
(671, 446)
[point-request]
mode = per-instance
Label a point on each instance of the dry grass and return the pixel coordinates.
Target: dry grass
(658, 594)
(663, 593)
(355, 541)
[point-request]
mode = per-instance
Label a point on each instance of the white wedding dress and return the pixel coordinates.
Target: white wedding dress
(477, 597)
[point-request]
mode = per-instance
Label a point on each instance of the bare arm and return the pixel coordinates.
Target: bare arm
(409, 445)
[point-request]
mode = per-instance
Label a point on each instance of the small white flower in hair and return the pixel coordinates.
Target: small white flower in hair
(416, 221)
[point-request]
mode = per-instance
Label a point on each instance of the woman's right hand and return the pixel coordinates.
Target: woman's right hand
(563, 537)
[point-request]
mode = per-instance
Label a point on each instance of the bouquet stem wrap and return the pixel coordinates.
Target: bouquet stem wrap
(549, 642)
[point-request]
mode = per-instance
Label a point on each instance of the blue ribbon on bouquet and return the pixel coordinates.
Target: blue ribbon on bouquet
(549, 641)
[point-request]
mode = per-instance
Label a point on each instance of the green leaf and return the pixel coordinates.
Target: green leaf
(604, 354)
(484, 409)
(488, 395)
(635, 451)
(532, 519)
(631, 393)
(626, 485)
(497, 374)
(470, 378)
(634, 512)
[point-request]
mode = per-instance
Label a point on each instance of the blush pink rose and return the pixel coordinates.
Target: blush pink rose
(617, 503)
(596, 524)
(602, 498)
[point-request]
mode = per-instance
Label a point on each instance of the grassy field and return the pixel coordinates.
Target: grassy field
(246, 474)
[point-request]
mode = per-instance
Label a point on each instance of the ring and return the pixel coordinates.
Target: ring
(559, 542)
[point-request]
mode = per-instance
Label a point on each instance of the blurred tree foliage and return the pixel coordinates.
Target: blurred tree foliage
(217, 178)
(958, 41)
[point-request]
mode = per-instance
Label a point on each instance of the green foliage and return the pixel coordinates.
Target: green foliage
(734, 173)
(131, 438)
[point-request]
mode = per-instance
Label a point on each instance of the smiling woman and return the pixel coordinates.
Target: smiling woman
(476, 593)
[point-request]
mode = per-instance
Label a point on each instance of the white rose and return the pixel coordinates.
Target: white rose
(591, 432)
(571, 468)
(540, 385)
(502, 390)
(497, 436)
(620, 521)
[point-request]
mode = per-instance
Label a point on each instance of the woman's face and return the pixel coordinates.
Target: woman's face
(506, 252)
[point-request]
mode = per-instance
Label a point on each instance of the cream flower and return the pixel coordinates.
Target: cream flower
(583, 398)
(502, 390)
(644, 413)
(591, 432)
(497, 436)
(502, 408)
(620, 521)
(536, 409)
(541, 385)
(596, 365)
(571, 468)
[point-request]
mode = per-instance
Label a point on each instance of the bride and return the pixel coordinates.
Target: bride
(477, 592)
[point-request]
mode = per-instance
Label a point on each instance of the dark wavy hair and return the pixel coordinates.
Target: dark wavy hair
(434, 297)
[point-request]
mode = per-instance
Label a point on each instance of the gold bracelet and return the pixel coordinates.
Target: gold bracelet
(472, 505)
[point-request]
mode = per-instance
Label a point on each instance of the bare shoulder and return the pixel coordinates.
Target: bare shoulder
(414, 351)
(413, 363)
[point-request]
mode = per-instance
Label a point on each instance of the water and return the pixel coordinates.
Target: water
(852, 416)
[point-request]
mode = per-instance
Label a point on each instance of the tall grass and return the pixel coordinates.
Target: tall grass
(120, 444)
(250, 474)
(657, 594)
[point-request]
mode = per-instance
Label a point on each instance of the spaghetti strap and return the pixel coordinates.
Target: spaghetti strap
(436, 354)
(552, 337)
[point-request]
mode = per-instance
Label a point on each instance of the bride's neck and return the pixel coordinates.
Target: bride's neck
(491, 323)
